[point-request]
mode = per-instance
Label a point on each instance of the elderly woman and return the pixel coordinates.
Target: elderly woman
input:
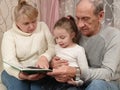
(27, 43)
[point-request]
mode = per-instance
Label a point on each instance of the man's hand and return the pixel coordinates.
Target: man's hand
(57, 62)
(63, 73)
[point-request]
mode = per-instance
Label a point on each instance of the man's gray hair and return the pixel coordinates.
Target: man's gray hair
(98, 4)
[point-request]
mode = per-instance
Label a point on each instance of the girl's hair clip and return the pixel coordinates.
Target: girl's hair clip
(68, 17)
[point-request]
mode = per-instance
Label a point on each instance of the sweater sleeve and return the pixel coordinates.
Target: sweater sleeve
(82, 60)
(50, 52)
(109, 65)
(9, 54)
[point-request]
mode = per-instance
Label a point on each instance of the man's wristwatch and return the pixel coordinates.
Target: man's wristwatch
(77, 76)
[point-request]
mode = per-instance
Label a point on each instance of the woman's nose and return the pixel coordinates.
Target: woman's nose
(31, 26)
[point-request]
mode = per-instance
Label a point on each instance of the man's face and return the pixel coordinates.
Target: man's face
(88, 23)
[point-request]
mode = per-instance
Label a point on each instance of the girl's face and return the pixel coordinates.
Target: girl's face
(63, 37)
(26, 25)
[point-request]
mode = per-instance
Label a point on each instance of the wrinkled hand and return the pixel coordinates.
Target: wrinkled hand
(57, 62)
(63, 73)
(72, 82)
(25, 76)
(42, 62)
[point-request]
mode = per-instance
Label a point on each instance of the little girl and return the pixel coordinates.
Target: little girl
(65, 33)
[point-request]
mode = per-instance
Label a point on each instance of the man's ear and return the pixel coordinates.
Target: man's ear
(101, 15)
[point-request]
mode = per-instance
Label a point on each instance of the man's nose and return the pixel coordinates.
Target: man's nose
(80, 23)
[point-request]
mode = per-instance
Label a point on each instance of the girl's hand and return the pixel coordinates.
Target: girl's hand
(57, 62)
(42, 62)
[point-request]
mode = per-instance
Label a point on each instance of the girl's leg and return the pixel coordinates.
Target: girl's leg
(13, 83)
(52, 84)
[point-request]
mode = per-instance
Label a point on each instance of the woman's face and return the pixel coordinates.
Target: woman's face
(26, 25)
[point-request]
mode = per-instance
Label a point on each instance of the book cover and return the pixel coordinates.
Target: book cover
(29, 69)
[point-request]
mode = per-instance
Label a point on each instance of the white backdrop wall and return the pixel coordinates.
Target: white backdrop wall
(112, 15)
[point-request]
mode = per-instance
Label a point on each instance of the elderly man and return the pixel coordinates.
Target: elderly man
(102, 46)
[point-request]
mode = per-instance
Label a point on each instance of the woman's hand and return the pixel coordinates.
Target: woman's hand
(63, 73)
(25, 76)
(57, 62)
(42, 62)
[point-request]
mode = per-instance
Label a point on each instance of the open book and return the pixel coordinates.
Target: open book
(29, 69)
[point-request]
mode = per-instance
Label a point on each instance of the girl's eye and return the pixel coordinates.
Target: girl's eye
(62, 37)
(55, 38)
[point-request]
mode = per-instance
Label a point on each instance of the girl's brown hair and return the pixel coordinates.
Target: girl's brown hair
(68, 23)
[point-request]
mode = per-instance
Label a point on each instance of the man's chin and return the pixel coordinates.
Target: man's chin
(85, 33)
